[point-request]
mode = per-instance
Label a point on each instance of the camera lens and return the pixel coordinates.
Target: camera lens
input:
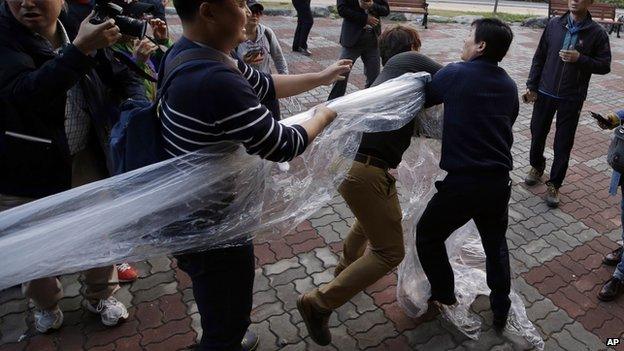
(131, 26)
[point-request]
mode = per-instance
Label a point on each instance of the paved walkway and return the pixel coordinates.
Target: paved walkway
(556, 254)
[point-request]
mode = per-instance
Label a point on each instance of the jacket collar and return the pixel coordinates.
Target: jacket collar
(484, 59)
(563, 20)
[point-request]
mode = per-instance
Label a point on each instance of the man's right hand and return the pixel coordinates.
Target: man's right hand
(326, 114)
(529, 96)
(372, 21)
(92, 37)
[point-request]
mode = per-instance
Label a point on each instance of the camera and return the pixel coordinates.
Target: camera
(127, 25)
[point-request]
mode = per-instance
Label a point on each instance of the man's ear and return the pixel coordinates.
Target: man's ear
(481, 47)
(207, 11)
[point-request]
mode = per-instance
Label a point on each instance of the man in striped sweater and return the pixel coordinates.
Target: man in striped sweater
(213, 105)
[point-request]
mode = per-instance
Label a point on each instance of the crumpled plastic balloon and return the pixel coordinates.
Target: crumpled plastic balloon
(417, 175)
(213, 198)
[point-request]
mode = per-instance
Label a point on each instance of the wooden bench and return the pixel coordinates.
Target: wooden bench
(411, 6)
(601, 13)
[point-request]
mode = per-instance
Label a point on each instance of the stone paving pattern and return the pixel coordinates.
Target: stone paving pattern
(555, 254)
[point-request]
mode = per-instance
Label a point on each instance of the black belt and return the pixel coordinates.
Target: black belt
(372, 161)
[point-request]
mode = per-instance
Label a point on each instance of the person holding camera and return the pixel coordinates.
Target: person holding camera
(231, 116)
(144, 55)
(614, 287)
(572, 48)
(360, 28)
(260, 47)
(53, 130)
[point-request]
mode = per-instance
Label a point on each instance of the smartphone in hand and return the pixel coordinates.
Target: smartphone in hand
(599, 118)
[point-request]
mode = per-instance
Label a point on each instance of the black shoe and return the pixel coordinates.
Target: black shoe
(250, 341)
(611, 290)
(614, 257)
(304, 52)
(317, 322)
(499, 322)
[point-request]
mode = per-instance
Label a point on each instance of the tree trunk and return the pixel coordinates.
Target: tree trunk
(495, 6)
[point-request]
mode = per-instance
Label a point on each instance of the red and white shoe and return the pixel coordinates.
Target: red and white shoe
(126, 273)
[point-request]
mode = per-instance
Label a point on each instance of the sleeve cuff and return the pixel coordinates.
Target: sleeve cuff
(304, 134)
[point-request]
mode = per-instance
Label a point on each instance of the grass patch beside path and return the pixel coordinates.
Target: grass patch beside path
(507, 17)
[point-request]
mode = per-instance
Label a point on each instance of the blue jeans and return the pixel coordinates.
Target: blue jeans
(619, 270)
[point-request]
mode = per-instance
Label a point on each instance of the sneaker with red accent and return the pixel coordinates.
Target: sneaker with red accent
(126, 273)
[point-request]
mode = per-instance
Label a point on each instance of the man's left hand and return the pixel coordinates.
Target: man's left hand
(569, 55)
(335, 72)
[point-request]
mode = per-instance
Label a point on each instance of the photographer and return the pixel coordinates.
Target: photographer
(56, 106)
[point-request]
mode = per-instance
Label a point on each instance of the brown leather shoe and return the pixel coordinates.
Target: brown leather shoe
(611, 290)
(316, 321)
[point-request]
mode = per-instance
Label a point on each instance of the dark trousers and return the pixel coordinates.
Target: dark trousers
(304, 24)
(274, 107)
(368, 50)
(568, 113)
(486, 202)
(223, 289)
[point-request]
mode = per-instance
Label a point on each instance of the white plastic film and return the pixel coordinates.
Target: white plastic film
(210, 199)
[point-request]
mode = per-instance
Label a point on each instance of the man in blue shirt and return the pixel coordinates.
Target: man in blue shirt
(480, 108)
(218, 105)
(572, 48)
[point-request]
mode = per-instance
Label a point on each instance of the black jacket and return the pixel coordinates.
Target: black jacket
(34, 155)
(569, 80)
(355, 19)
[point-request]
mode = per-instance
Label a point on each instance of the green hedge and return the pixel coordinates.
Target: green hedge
(618, 3)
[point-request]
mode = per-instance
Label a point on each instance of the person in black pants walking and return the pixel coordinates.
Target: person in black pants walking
(360, 29)
(480, 108)
(572, 47)
(304, 25)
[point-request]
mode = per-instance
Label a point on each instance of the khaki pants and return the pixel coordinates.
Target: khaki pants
(100, 283)
(371, 194)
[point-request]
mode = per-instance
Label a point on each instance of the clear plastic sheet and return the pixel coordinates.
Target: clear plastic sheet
(212, 198)
(215, 198)
(417, 174)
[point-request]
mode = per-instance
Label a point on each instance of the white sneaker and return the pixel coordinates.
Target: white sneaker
(111, 311)
(47, 320)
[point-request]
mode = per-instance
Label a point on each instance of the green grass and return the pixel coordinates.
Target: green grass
(507, 17)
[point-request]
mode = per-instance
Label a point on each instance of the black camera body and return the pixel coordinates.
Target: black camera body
(127, 25)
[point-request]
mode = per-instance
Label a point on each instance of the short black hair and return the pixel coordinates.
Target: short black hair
(497, 36)
(187, 9)
(397, 39)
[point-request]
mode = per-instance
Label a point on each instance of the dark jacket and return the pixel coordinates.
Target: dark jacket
(355, 19)
(34, 155)
(480, 108)
(551, 75)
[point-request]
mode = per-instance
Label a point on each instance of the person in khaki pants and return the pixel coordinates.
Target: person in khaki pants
(370, 192)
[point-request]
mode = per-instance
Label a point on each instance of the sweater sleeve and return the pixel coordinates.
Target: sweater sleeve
(244, 119)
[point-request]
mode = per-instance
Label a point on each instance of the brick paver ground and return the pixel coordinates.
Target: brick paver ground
(556, 254)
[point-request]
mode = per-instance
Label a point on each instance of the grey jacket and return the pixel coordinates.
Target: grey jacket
(266, 41)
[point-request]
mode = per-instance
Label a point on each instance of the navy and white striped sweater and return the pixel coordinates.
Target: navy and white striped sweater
(209, 105)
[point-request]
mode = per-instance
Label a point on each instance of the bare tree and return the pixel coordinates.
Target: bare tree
(495, 6)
